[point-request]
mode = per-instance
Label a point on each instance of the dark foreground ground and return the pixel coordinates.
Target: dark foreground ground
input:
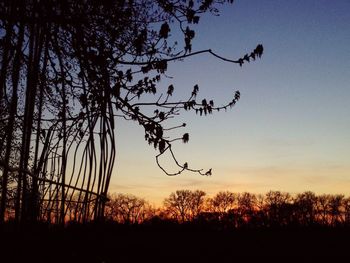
(114, 243)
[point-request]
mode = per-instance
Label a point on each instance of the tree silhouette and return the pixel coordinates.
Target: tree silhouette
(177, 205)
(322, 207)
(185, 205)
(128, 209)
(68, 70)
(197, 203)
(222, 202)
(278, 205)
(246, 207)
(305, 206)
(346, 204)
(335, 209)
(227, 210)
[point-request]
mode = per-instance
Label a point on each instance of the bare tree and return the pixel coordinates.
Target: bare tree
(336, 209)
(222, 202)
(185, 205)
(322, 207)
(246, 207)
(305, 206)
(128, 209)
(178, 205)
(346, 204)
(197, 203)
(278, 206)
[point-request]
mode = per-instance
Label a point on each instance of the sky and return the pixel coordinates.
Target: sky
(291, 129)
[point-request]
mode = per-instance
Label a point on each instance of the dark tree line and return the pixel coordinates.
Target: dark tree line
(235, 210)
(192, 227)
(69, 70)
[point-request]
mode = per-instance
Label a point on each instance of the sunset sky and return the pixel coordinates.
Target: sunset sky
(291, 129)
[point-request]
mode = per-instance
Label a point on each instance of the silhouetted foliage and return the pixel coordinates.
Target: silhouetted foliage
(68, 70)
(128, 209)
(184, 205)
(306, 208)
(227, 210)
(267, 227)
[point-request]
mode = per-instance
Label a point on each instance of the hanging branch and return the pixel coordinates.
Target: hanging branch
(67, 71)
